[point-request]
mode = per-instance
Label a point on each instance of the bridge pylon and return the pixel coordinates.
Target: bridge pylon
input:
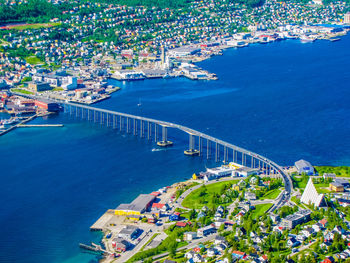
(191, 151)
(164, 142)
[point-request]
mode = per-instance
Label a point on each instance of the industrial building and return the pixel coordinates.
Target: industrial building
(47, 105)
(129, 232)
(140, 205)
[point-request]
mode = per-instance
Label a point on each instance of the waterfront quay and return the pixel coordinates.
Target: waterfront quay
(23, 110)
(133, 231)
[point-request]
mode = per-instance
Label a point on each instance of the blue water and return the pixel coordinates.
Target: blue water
(284, 100)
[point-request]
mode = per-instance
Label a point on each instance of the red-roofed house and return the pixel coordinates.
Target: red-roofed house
(155, 193)
(263, 258)
(238, 254)
(328, 260)
(157, 205)
(324, 222)
(162, 207)
(182, 224)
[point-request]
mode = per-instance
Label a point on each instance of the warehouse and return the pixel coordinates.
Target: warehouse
(47, 105)
(140, 205)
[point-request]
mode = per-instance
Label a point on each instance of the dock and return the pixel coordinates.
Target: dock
(94, 248)
(39, 125)
(17, 125)
(101, 223)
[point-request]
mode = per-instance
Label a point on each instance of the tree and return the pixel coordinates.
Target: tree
(172, 246)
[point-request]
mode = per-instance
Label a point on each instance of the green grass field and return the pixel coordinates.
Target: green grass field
(194, 200)
(300, 183)
(33, 26)
(341, 171)
(260, 210)
(322, 188)
(272, 194)
(33, 60)
(22, 91)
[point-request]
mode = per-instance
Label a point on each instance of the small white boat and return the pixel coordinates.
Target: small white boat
(307, 39)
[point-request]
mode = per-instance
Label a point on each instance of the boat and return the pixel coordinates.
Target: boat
(10, 121)
(334, 39)
(306, 39)
(139, 104)
(241, 44)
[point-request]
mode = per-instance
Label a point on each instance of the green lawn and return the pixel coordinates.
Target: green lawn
(299, 182)
(260, 210)
(194, 200)
(58, 89)
(341, 171)
(322, 188)
(33, 60)
(272, 194)
(33, 26)
(22, 91)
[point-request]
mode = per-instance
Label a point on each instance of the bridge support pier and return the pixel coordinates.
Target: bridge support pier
(135, 127)
(155, 132)
(225, 154)
(191, 151)
(164, 142)
(208, 149)
(149, 131)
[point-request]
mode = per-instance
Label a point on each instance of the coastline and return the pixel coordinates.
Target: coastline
(127, 110)
(188, 187)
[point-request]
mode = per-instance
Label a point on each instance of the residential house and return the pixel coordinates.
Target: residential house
(238, 254)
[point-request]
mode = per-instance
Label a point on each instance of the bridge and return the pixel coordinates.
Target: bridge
(200, 144)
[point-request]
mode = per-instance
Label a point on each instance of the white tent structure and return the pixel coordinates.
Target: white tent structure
(310, 195)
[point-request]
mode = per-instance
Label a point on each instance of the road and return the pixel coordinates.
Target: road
(191, 245)
(303, 248)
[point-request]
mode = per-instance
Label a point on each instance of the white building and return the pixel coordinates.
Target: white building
(220, 171)
(245, 172)
(347, 18)
(310, 195)
(183, 51)
(189, 236)
(128, 75)
(69, 83)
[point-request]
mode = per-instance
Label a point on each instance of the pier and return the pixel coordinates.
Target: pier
(38, 125)
(18, 125)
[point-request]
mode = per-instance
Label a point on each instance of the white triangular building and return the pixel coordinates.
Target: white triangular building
(310, 195)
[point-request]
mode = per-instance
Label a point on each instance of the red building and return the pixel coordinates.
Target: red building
(47, 105)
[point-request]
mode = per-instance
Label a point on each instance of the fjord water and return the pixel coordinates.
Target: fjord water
(284, 100)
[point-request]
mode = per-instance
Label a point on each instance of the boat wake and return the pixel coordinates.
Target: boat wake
(157, 149)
